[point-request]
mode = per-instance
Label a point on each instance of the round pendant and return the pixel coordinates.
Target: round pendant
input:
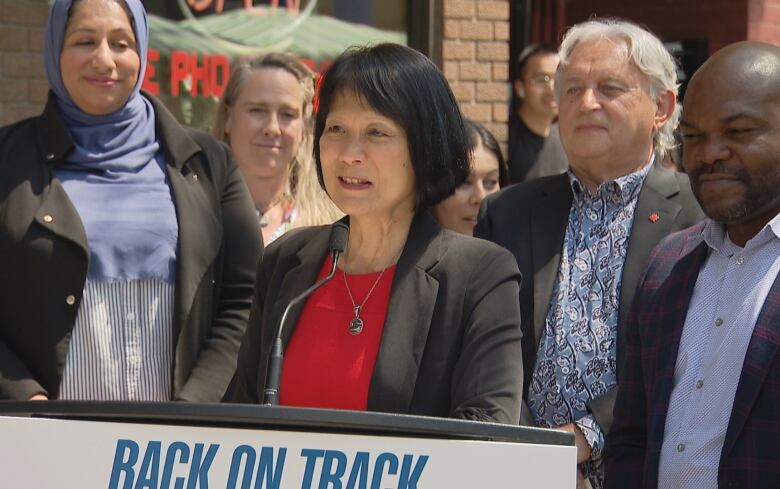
(263, 219)
(355, 326)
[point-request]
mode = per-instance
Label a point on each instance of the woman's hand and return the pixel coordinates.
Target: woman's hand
(38, 397)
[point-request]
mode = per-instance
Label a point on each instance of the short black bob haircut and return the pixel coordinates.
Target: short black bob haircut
(406, 87)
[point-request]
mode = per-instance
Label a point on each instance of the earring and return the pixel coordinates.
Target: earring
(518, 88)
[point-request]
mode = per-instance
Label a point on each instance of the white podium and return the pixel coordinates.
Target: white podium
(198, 446)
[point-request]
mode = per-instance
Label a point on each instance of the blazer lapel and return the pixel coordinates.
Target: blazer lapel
(654, 218)
(761, 353)
(200, 227)
(409, 314)
(200, 236)
(300, 277)
(56, 211)
(675, 297)
(550, 217)
(57, 214)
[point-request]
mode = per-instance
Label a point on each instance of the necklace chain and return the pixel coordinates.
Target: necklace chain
(263, 218)
(356, 324)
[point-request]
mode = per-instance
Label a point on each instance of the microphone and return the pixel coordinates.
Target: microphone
(338, 243)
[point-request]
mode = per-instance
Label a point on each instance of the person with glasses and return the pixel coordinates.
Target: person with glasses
(534, 145)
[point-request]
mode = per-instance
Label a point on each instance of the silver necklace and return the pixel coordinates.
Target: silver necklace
(263, 217)
(355, 326)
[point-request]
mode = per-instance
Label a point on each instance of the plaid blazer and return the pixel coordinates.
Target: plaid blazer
(751, 450)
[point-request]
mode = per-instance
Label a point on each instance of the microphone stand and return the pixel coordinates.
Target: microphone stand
(274, 377)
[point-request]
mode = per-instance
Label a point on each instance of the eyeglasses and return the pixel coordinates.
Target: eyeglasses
(542, 80)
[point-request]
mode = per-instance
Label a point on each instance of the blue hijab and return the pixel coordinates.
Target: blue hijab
(115, 175)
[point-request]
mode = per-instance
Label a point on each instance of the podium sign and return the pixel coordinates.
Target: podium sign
(66, 453)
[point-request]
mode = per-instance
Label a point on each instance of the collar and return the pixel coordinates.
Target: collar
(622, 190)
(717, 239)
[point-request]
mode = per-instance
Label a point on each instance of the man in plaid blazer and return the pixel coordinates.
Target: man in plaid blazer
(698, 402)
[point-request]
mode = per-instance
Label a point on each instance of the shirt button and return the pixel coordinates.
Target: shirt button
(130, 316)
(70, 300)
(681, 447)
(48, 218)
(699, 384)
(719, 322)
(740, 260)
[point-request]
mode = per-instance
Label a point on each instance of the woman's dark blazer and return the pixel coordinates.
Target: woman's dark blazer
(451, 342)
(44, 257)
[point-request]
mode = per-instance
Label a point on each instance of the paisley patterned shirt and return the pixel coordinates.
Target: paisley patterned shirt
(576, 361)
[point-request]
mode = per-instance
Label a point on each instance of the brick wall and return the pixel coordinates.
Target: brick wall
(23, 85)
(475, 59)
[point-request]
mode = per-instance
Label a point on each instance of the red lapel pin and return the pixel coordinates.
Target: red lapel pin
(654, 217)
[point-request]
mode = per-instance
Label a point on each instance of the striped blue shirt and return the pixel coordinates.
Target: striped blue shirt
(121, 345)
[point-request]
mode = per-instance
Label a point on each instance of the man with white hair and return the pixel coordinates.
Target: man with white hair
(582, 238)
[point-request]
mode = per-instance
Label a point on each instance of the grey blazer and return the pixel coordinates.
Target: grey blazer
(451, 341)
(44, 260)
(530, 219)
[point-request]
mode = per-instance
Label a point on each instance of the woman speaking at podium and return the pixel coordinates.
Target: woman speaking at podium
(416, 319)
(128, 242)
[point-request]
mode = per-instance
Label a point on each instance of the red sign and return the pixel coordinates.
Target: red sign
(206, 75)
(211, 73)
(293, 6)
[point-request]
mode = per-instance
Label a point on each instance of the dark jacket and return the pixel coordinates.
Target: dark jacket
(451, 341)
(44, 257)
(530, 220)
(749, 458)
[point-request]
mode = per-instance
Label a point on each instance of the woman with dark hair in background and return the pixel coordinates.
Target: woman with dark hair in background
(488, 174)
(417, 319)
(266, 116)
(129, 243)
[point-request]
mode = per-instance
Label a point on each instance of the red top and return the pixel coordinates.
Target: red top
(325, 365)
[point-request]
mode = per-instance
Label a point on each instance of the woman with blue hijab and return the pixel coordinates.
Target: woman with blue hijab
(129, 243)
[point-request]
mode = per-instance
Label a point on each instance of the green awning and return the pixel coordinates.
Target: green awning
(166, 36)
(245, 32)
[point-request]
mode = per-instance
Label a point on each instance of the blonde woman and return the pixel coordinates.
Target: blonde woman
(265, 115)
